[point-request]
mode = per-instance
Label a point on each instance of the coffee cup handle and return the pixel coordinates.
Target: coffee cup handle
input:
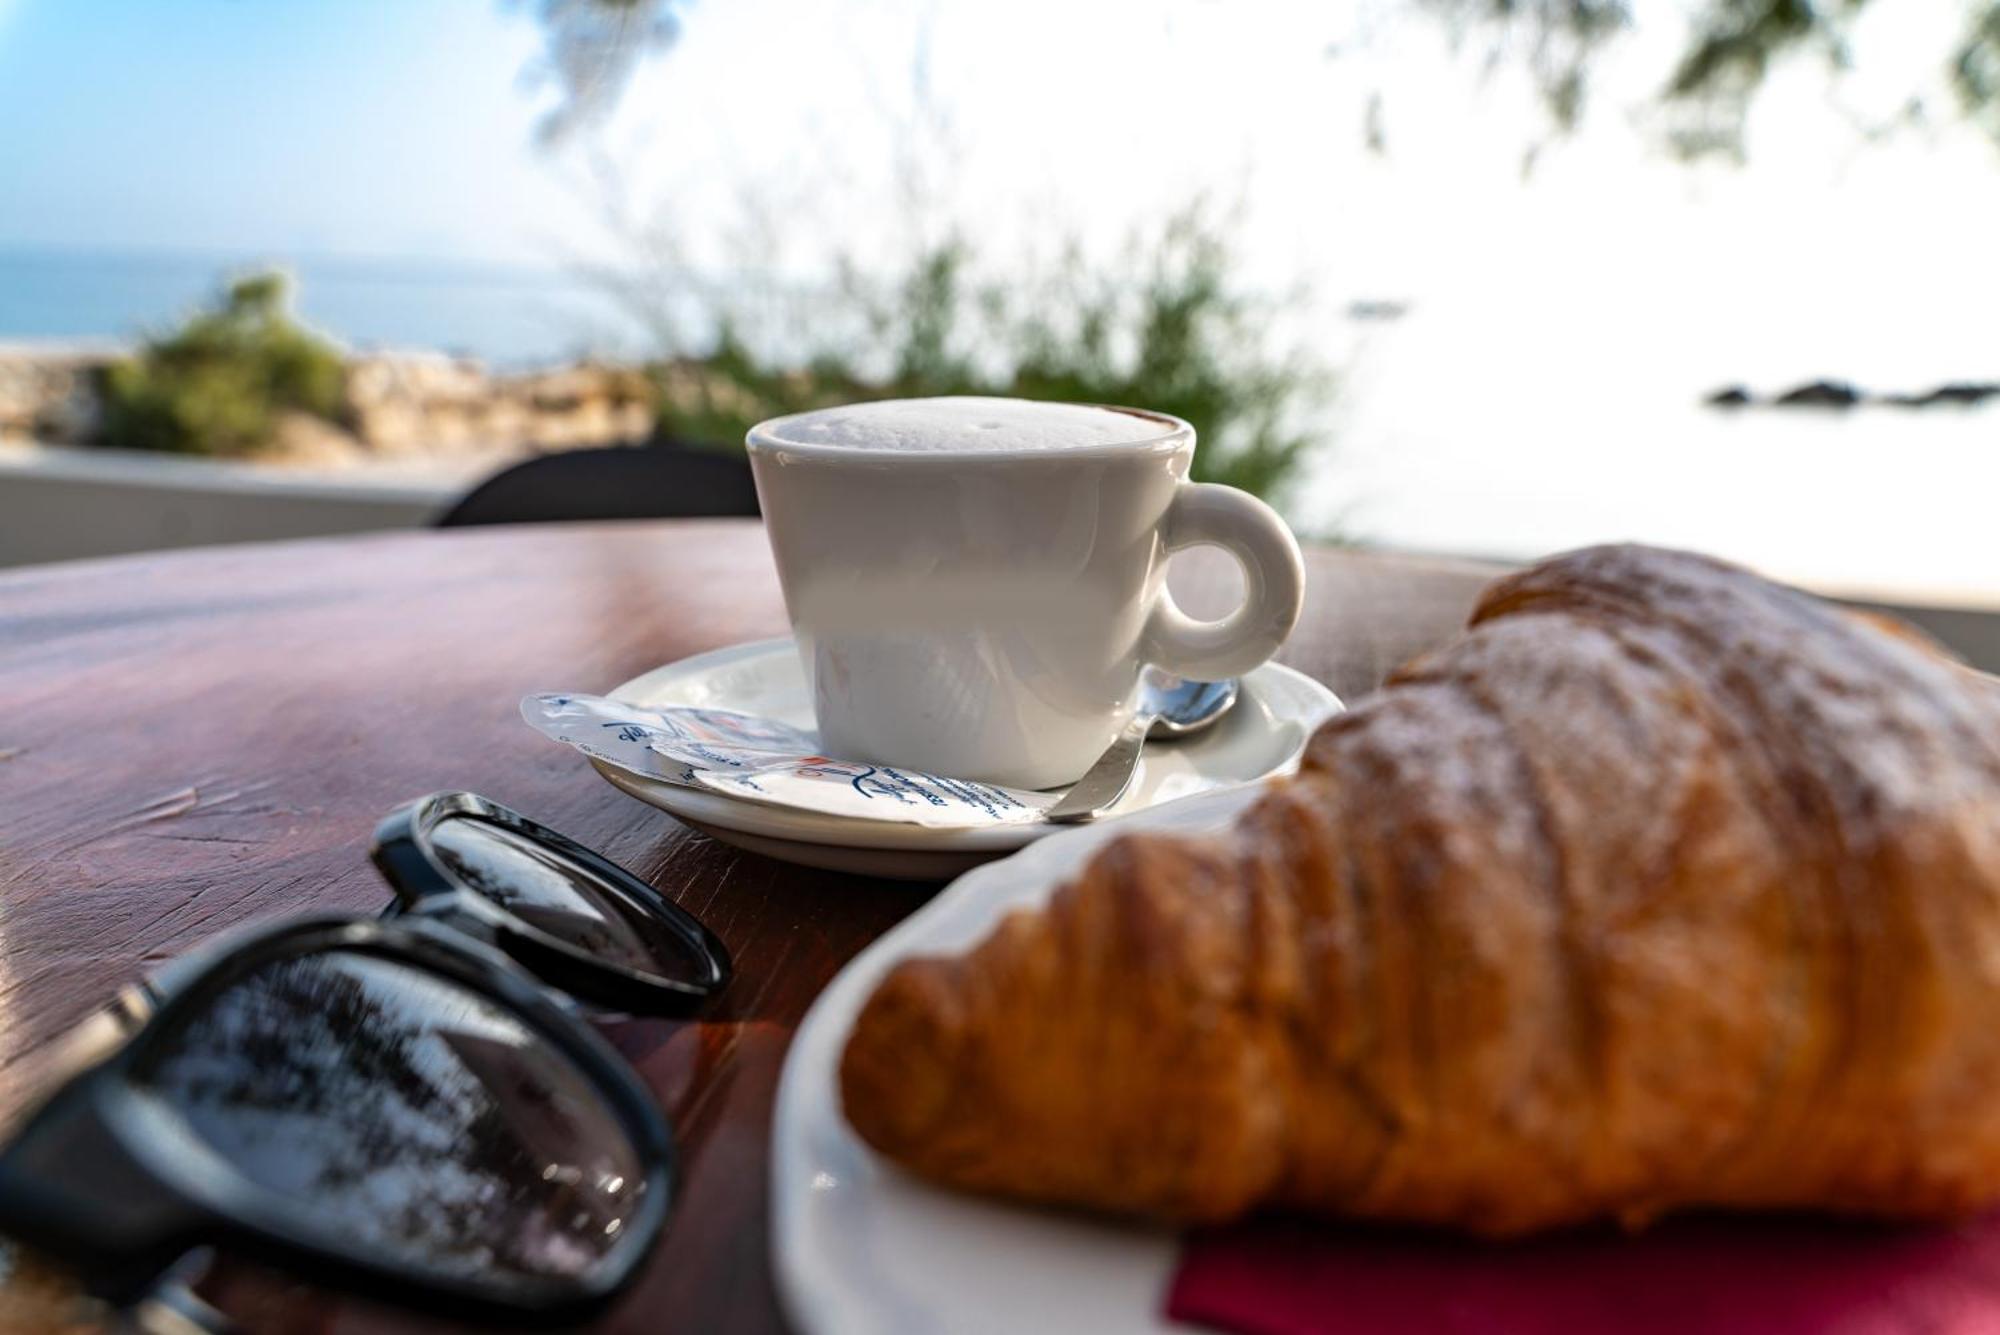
(1274, 577)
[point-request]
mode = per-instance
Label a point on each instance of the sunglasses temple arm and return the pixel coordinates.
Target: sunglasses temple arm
(175, 1310)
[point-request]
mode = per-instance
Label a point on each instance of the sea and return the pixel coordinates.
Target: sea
(508, 316)
(1509, 424)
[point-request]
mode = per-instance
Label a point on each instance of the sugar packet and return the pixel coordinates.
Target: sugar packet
(764, 760)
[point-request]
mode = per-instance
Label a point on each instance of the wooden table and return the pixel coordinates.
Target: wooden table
(195, 740)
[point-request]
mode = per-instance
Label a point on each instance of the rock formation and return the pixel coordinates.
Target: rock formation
(400, 406)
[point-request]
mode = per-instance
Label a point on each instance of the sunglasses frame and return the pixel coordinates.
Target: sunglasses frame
(108, 1177)
(405, 855)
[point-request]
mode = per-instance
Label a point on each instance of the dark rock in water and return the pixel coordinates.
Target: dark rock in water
(1965, 393)
(1819, 394)
(1840, 394)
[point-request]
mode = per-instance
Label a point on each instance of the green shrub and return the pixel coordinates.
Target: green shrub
(217, 384)
(1170, 329)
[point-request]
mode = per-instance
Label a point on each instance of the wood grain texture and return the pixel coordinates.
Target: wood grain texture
(196, 740)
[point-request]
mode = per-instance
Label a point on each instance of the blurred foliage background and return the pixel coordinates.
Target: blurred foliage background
(1168, 328)
(1731, 49)
(1169, 322)
(218, 384)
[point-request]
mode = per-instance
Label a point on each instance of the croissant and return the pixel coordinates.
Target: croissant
(1663, 886)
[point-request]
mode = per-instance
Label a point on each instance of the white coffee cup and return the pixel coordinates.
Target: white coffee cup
(975, 584)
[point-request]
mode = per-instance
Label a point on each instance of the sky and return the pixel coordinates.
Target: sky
(370, 128)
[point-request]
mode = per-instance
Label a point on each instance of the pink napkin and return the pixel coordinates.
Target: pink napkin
(1707, 1276)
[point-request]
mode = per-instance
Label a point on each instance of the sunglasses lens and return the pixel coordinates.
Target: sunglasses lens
(563, 899)
(406, 1117)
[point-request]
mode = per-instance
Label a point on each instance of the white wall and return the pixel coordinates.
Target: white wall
(61, 504)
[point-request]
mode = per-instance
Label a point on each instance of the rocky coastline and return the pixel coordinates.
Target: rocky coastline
(401, 406)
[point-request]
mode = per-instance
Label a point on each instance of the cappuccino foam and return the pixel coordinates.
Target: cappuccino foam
(947, 424)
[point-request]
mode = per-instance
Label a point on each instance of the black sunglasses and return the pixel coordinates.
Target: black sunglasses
(387, 1105)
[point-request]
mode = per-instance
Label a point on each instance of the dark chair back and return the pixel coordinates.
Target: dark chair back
(616, 482)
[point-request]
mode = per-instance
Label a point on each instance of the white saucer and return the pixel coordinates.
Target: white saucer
(861, 1248)
(1263, 735)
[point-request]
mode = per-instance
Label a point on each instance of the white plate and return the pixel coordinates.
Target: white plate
(1263, 735)
(863, 1248)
